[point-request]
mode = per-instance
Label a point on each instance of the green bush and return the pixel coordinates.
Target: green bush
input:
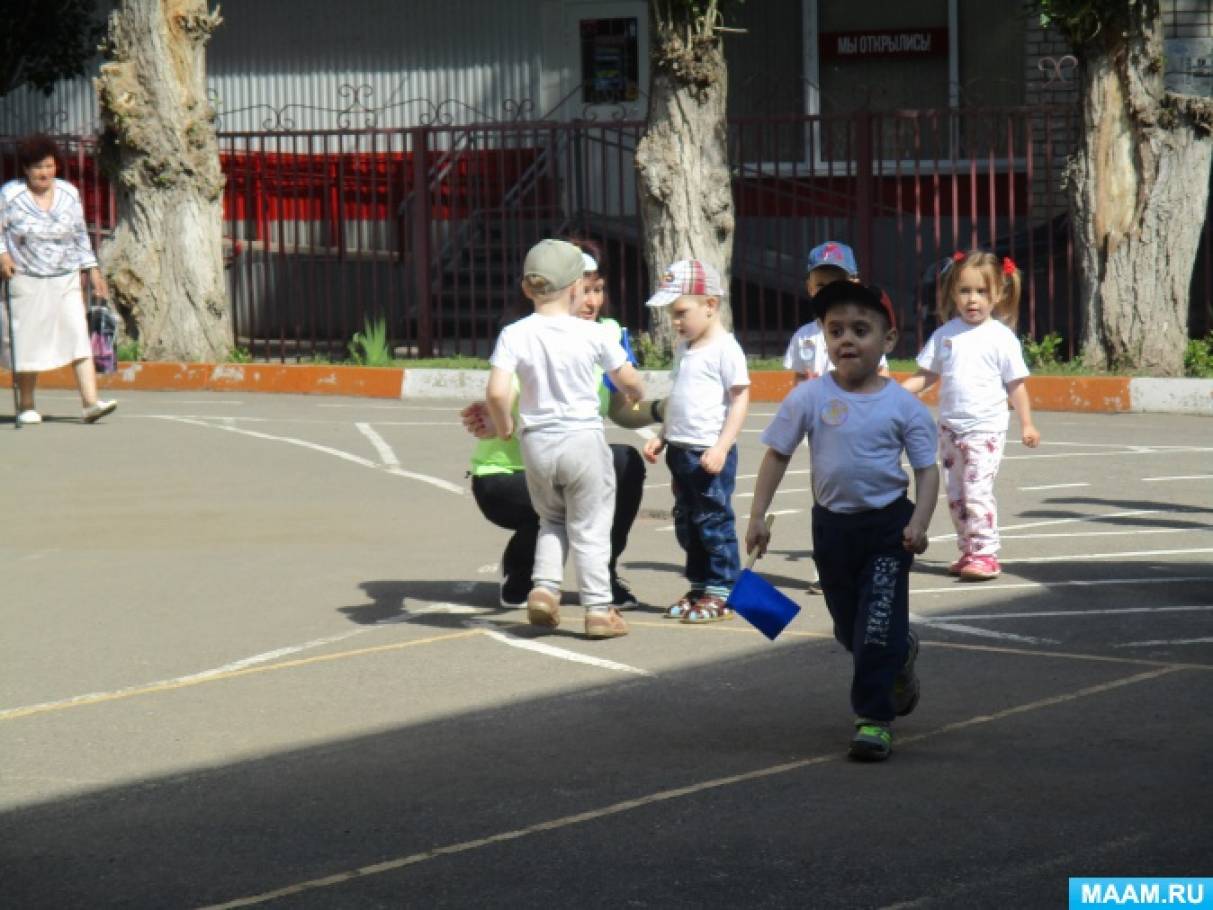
(1198, 357)
(1042, 354)
(651, 354)
(239, 355)
(370, 346)
(127, 350)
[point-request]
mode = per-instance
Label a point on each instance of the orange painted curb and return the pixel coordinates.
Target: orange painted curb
(1097, 394)
(297, 379)
(1100, 394)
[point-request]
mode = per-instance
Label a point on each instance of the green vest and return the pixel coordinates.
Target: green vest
(504, 456)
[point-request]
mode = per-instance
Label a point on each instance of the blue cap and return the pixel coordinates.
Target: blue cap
(833, 253)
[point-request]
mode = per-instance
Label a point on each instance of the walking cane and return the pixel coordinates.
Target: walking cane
(12, 355)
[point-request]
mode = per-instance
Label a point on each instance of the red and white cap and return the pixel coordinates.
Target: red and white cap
(687, 276)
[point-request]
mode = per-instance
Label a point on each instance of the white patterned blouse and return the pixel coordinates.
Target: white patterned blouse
(44, 244)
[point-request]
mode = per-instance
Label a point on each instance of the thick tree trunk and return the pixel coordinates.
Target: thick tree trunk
(686, 200)
(1138, 187)
(165, 261)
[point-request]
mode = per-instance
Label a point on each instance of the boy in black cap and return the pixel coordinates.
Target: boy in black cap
(865, 529)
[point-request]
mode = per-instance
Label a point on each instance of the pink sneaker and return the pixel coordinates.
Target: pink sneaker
(981, 568)
(957, 567)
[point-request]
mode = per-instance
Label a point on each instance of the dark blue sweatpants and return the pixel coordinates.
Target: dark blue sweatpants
(865, 576)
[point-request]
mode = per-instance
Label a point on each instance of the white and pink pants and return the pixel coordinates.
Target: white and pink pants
(970, 464)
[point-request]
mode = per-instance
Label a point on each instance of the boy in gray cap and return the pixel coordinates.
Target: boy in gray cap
(569, 472)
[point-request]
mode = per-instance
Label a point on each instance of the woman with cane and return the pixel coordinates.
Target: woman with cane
(44, 247)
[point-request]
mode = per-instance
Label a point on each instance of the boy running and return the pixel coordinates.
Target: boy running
(865, 529)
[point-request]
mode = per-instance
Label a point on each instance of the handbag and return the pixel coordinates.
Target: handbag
(102, 331)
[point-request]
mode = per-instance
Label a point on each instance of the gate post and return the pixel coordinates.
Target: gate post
(864, 200)
(421, 241)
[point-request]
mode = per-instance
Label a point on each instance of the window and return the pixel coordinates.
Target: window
(610, 64)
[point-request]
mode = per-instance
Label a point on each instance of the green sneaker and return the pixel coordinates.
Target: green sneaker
(872, 741)
(905, 687)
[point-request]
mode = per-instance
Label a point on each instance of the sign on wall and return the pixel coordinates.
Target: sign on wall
(896, 43)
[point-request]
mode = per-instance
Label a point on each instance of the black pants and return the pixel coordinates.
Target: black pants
(865, 577)
(504, 501)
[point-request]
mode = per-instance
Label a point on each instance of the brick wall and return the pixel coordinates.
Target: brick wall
(1050, 81)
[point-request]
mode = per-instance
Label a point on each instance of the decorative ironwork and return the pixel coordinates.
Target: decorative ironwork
(357, 112)
(1055, 70)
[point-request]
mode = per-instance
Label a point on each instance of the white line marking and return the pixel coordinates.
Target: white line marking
(339, 453)
(190, 678)
(386, 454)
(1134, 532)
(538, 647)
(1075, 519)
(657, 486)
(1165, 450)
(1172, 641)
(980, 633)
(1078, 557)
(489, 568)
(426, 478)
(663, 796)
(291, 440)
(959, 588)
(1179, 477)
(32, 557)
(1052, 486)
(772, 512)
(781, 492)
(1060, 613)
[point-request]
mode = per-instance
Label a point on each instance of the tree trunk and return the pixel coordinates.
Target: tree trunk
(686, 201)
(1138, 188)
(165, 261)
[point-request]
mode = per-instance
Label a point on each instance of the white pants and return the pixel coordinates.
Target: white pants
(970, 465)
(571, 479)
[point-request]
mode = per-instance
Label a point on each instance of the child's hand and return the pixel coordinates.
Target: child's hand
(1031, 435)
(652, 448)
(712, 460)
(757, 536)
(478, 421)
(914, 538)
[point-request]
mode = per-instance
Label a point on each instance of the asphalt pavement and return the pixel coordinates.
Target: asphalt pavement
(253, 656)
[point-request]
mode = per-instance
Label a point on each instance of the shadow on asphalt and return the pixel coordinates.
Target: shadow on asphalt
(998, 811)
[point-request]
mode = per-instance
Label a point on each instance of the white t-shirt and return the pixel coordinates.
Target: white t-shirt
(855, 441)
(807, 351)
(559, 361)
(699, 400)
(974, 363)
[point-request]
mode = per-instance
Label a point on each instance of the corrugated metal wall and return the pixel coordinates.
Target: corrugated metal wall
(296, 64)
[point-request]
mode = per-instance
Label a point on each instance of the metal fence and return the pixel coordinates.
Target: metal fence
(426, 228)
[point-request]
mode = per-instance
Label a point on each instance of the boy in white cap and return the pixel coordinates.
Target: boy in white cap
(569, 472)
(703, 416)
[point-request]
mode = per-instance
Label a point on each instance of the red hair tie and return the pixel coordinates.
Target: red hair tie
(1008, 266)
(958, 256)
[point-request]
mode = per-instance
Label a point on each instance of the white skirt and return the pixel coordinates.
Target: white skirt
(48, 323)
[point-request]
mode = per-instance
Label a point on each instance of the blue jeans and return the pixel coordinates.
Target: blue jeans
(703, 519)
